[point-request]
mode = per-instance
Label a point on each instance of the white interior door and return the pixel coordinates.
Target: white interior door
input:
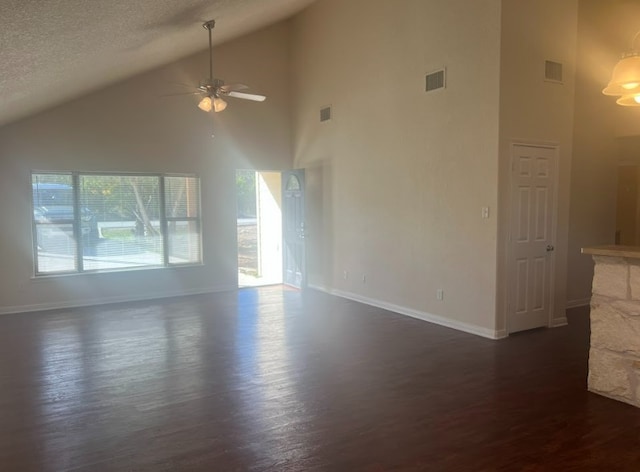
(531, 237)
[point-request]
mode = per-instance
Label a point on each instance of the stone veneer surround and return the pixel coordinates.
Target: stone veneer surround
(614, 354)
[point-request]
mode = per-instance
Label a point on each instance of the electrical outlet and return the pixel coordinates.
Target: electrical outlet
(345, 275)
(485, 213)
(364, 279)
(440, 294)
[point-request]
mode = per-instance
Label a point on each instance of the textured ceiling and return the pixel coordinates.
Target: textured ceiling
(54, 50)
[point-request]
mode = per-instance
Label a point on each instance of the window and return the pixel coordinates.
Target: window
(99, 222)
(182, 212)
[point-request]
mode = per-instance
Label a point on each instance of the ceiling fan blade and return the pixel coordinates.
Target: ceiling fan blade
(248, 96)
(233, 87)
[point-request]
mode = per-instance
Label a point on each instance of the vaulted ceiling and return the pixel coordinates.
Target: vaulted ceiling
(55, 50)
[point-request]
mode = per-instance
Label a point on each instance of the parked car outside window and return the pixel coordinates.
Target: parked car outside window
(54, 215)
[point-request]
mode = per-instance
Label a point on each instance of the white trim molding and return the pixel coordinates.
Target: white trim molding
(558, 322)
(578, 303)
(420, 315)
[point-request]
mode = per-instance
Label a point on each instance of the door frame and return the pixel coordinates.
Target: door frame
(259, 222)
(554, 227)
(300, 175)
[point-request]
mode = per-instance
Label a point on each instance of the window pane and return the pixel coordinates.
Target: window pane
(53, 215)
(293, 183)
(182, 196)
(121, 219)
(182, 206)
(184, 242)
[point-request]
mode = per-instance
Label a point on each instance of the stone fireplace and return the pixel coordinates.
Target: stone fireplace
(614, 354)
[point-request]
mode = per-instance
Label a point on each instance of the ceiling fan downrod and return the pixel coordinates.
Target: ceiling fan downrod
(209, 25)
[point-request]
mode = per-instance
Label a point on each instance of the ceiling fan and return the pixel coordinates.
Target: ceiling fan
(215, 90)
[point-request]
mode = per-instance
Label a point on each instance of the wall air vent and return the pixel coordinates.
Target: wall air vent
(553, 71)
(436, 80)
(325, 114)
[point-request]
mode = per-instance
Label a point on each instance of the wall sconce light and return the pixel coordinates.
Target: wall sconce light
(625, 79)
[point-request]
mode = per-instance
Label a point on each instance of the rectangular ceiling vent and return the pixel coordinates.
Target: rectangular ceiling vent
(553, 71)
(436, 80)
(325, 114)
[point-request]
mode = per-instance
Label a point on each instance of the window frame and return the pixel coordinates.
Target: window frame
(164, 221)
(77, 223)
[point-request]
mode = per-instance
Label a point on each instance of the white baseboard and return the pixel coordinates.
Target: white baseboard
(578, 303)
(421, 315)
(558, 322)
(107, 300)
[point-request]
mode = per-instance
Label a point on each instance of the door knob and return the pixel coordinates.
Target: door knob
(550, 248)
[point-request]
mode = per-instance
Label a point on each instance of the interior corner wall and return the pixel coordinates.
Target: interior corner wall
(129, 127)
(605, 136)
(536, 111)
(396, 181)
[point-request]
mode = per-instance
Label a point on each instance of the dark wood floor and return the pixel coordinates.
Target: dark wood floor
(279, 380)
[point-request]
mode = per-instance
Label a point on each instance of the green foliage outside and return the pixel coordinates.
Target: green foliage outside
(119, 198)
(127, 197)
(246, 192)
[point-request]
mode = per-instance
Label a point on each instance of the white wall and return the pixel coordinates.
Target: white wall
(129, 127)
(536, 111)
(397, 179)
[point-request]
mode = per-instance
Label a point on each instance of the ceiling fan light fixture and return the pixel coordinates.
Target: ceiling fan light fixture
(632, 100)
(219, 104)
(206, 104)
(625, 78)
